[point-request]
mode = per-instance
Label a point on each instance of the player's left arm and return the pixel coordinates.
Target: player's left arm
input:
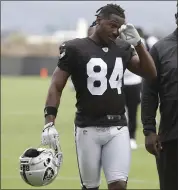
(142, 64)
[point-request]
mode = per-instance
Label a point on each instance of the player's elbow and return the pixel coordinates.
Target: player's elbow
(150, 71)
(153, 73)
(54, 88)
(150, 76)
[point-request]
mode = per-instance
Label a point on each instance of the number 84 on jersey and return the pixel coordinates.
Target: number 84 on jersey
(115, 80)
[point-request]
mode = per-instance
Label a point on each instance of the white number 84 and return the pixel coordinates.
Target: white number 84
(115, 80)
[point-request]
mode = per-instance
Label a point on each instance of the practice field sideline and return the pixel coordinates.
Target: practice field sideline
(22, 103)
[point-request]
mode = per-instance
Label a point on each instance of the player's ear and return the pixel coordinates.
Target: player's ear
(98, 19)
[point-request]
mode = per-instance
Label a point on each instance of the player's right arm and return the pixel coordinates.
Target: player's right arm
(58, 82)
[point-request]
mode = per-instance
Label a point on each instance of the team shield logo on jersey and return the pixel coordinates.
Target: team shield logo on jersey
(105, 49)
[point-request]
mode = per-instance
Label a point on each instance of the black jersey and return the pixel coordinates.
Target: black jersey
(97, 75)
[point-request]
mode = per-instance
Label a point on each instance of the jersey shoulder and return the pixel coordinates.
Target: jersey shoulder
(74, 43)
(70, 47)
(69, 53)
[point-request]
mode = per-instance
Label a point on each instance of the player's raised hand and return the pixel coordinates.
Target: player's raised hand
(129, 33)
(153, 144)
(50, 136)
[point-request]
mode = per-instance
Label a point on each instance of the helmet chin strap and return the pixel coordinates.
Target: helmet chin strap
(58, 157)
(57, 148)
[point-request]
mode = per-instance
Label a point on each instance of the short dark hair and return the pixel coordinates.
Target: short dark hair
(93, 24)
(109, 9)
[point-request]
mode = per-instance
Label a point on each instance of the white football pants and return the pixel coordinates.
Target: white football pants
(107, 147)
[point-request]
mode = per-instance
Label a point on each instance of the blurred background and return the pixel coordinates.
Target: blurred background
(35, 28)
(31, 33)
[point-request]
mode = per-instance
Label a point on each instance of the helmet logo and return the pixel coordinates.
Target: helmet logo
(49, 173)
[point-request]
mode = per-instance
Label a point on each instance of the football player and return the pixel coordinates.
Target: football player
(96, 65)
(131, 89)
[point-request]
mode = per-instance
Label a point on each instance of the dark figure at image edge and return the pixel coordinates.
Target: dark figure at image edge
(163, 93)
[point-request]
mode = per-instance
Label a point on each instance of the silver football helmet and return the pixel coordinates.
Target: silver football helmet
(39, 167)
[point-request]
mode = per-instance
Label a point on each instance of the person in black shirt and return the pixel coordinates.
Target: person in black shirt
(163, 92)
(96, 65)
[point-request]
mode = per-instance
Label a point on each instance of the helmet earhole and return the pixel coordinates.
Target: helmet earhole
(32, 152)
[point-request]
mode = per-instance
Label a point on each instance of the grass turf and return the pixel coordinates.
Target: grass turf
(22, 103)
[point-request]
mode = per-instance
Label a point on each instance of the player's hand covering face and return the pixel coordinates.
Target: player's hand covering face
(129, 33)
(109, 28)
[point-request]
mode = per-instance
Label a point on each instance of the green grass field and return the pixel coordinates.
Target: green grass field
(22, 120)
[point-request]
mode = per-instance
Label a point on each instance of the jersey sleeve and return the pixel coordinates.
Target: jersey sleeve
(66, 58)
(130, 52)
(127, 49)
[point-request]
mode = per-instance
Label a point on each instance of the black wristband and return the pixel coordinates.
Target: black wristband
(49, 110)
(147, 129)
(147, 132)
